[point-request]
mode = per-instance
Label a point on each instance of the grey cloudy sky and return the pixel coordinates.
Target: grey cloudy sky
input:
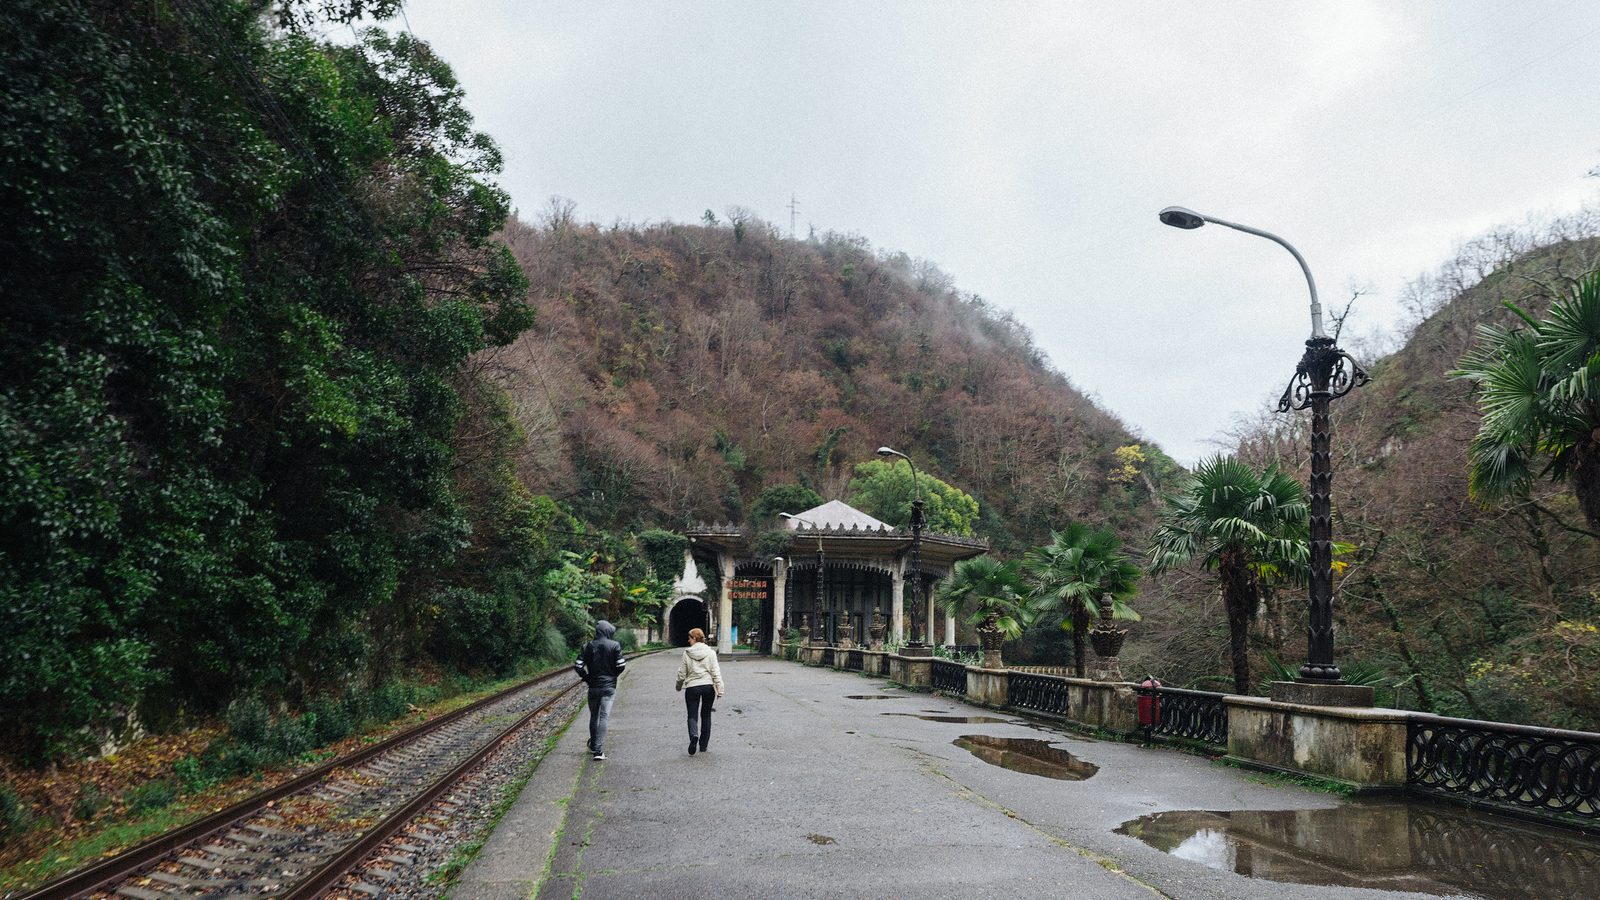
(1025, 148)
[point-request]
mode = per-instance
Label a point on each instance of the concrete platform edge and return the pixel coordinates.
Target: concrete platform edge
(516, 856)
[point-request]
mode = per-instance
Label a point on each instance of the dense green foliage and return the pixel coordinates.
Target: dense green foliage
(664, 551)
(782, 498)
(989, 592)
(1074, 574)
(1540, 394)
(244, 274)
(886, 491)
(1239, 522)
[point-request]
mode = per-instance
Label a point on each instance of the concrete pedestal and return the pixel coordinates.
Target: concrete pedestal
(914, 672)
(1106, 668)
(1347, 695)
(988, 687)
(1360, 746)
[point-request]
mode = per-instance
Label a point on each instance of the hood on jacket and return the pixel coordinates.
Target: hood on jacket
(701, 650)
(604, 630)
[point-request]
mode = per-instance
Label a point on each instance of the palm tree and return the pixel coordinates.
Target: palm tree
(992, 593)
(1074, 573)
(1238, 522)
(1540, 396)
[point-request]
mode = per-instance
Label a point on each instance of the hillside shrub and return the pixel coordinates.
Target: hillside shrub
(14, 815)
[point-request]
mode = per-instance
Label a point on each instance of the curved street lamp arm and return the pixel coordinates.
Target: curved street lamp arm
(1316, 307)
(916, 489)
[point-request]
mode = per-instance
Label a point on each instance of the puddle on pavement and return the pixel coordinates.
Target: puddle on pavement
(874, 697)
(1029, 755)
(1389, 844)
(956, 720)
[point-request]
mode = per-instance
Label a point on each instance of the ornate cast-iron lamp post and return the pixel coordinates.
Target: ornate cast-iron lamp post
(916, 539)
(1324, 374)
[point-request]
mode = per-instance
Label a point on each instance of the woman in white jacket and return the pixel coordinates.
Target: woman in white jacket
(699, 677)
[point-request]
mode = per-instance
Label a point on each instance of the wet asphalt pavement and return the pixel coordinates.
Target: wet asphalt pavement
(806, 792)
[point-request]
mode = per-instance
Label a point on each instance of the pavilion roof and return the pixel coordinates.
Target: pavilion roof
(846, 532)
(834, 514)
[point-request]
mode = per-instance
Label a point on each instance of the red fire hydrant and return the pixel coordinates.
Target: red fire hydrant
(1149, 704)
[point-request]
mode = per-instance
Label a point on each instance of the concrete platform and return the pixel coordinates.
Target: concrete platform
(807, 792)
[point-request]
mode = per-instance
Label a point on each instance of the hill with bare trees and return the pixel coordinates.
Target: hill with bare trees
(676, 371)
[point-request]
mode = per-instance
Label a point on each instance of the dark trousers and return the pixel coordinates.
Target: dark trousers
(699, 699)
(599, 712)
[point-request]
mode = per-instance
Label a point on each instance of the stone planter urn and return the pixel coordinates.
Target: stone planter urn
(1107, 641)
(846, 633)
(876, 631)
(990, 637)
(805, 629)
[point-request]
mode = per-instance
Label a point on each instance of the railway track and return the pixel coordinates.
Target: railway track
(337, 825)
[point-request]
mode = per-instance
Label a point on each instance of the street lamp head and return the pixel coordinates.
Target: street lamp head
(889, 451)
(1178, 217)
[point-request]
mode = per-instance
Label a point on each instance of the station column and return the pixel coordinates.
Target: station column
(725, 604)
(897, 609)
(780, 582)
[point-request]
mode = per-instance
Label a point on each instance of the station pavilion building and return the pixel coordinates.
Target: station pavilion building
(844, 567)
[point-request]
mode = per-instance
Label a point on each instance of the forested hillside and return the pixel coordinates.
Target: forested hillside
(294, 408)
(1459, 608)
(292, 412)
(678, 370)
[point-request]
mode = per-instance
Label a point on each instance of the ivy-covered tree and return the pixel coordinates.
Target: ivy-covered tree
(664, 551)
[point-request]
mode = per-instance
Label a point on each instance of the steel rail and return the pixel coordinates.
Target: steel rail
(325, 876)
(129, 862)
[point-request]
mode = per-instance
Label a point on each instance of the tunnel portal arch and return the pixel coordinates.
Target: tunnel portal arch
(688, 612)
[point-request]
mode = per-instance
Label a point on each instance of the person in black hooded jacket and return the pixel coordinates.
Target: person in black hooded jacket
(599, 664)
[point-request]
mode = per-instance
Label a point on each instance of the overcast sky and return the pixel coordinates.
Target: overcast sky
(1025, 148)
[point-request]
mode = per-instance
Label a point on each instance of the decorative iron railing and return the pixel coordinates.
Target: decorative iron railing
(950, 677)
(1544, 769)
(1043, 693)
(1191, 715)
(855, 660)
(827, 656)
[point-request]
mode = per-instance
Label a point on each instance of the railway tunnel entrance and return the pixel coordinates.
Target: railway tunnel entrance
(688, 612)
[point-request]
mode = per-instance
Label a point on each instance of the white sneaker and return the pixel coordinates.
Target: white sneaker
(599, 756)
